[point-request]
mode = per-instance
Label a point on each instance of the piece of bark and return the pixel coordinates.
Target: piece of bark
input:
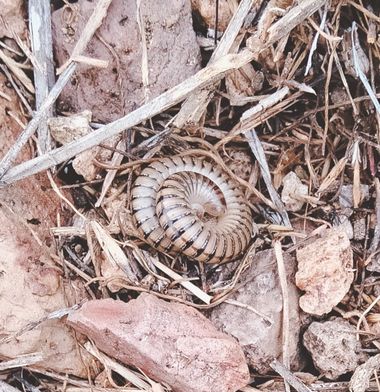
(170, 342)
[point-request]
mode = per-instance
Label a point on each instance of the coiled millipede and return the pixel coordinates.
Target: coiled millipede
(189, 205)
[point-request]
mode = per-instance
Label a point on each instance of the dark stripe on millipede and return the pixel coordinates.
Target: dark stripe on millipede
(203, 247)
(147, 234)
(192, 239)
(213, 253)
(181, 231)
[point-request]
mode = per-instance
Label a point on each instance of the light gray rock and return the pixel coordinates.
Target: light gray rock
(345, 196)
(333, 347)
(261, 290)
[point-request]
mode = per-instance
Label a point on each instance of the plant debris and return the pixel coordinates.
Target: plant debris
(280, 96)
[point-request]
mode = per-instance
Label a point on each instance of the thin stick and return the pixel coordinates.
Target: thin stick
(92, 25)
(11, 155)
(185, 283)
(292, 19)
(288, 376)
(233, 302)
(193, 107)
(285, 303)
(22, 360)
(362, 316)
(42, 47)
(157, 105)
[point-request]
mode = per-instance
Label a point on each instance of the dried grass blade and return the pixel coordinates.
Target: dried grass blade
(259, 153)
(116, 160)
(358, 69)
(157, 105)
(188, 285)
(109, 363)
(334, 173)
(17, 71)
(315, 41)
(113, 252)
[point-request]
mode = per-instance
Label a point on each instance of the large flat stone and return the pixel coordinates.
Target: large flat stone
(170, 342)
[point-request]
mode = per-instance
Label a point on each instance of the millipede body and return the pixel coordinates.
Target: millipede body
(188, 205)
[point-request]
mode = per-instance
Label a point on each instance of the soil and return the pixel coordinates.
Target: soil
(294, 128)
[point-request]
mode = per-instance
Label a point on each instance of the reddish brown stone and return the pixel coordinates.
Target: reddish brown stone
(170, 342)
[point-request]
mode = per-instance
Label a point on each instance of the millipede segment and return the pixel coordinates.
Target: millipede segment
(188, 205)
